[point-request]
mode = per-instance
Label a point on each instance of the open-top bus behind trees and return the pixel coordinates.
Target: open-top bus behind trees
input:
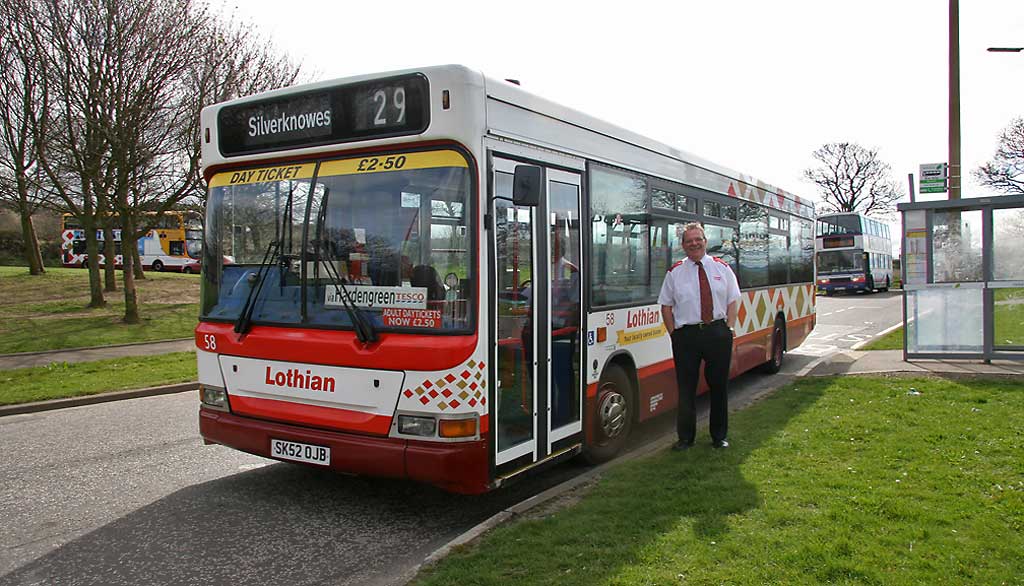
(853, 253)
(442, 277)
(172, 244)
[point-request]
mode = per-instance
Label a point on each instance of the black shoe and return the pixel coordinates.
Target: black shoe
(682, 446)
(720, 444)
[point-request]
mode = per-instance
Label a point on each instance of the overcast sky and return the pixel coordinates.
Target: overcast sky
(751, 85)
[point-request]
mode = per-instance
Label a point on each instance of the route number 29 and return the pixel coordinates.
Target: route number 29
(209, 342)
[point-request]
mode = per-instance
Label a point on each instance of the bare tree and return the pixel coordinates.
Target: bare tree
(131, 77)
(852, 178)
(1005, 172)
(21, 100)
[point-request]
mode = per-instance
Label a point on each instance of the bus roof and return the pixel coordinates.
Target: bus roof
(511, 93)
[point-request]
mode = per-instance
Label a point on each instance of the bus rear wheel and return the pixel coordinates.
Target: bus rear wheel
(778, 349)
(158, 266)
(887, 285)
(614, 417)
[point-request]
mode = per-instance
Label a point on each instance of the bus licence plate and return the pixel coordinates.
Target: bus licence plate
(300, 452)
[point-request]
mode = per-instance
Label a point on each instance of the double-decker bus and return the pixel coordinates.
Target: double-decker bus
(442, 277)
(853, 253)
(173, 244)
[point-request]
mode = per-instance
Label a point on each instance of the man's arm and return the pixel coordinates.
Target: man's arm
(667, 318)
(730, 314)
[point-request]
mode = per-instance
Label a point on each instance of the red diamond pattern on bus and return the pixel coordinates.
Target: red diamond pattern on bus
(470, 382)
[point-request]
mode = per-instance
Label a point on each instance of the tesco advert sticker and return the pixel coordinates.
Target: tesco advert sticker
(372, 297)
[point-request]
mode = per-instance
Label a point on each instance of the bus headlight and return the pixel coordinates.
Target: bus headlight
(214, 397)
(411, 425)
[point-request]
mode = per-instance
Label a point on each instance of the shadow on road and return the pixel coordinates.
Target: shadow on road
(279, 524)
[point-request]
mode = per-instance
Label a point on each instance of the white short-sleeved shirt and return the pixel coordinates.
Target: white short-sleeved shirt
(681, 289)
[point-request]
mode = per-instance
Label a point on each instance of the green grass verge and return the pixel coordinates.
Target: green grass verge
(47, 312)
(891, 341)
(62, 380)
(830, 481)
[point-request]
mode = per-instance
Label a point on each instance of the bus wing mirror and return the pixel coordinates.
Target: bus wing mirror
(526, 185)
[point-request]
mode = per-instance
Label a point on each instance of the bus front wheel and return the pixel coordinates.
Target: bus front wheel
(614, 417)
(887, 285)
(158, 266)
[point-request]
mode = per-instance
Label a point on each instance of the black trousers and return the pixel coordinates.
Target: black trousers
(712, 345)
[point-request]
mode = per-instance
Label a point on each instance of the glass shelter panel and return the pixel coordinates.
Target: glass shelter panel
(1008, 318)
(956, 246)
(934, 336)
(1008, 235)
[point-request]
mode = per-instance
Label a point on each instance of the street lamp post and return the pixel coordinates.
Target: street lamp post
(954, 99)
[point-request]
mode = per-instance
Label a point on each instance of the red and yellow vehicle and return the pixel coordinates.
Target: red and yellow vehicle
(439, 276)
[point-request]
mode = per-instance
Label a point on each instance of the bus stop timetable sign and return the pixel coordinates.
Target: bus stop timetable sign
(932, 178)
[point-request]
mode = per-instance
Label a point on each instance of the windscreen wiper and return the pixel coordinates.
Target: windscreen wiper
(256, 281)
(364, 329)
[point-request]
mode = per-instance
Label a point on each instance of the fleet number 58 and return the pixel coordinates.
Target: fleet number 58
(209, 342)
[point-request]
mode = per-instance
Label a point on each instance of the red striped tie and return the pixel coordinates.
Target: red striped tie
(707, 304)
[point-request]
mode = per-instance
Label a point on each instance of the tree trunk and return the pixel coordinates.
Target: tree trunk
(31, 242)
(129, 225)
(129, 250)
(92, 249)
(131, 297)
(110, 258)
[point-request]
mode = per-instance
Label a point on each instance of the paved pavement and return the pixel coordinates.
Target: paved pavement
(28, 359)
(888, 361)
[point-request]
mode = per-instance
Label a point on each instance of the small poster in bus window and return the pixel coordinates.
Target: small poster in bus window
(412, 318)
(372, 297)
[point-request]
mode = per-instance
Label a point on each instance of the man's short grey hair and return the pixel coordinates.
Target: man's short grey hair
(694, 226)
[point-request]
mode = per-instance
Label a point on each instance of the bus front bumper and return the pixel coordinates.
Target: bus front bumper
(460, 467)
(843, 287)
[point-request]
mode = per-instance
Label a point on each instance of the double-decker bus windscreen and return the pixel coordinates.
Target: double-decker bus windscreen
(840, 224)
(387, 234)
(840, 261)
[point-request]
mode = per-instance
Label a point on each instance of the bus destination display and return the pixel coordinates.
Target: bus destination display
(377, 109)
(837, 242)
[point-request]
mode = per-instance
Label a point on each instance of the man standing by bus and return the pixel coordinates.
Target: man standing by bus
(699, 302)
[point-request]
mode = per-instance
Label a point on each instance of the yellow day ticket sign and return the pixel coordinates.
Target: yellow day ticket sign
(264, 175)
(359, 165)
(385, 163)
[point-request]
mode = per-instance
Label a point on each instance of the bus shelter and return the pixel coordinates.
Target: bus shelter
(963, 278)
